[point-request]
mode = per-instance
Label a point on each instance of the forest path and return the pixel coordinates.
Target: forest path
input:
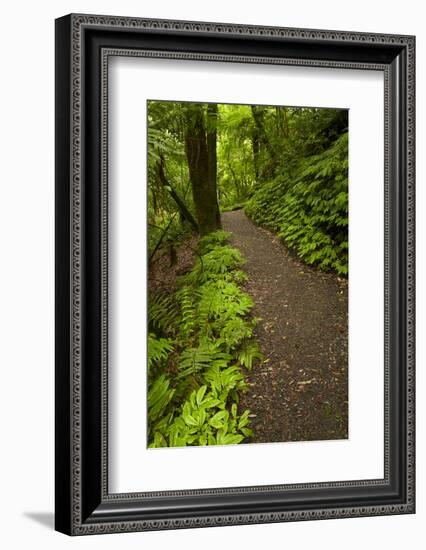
(300, 392)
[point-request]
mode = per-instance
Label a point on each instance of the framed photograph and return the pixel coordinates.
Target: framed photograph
(234, 274)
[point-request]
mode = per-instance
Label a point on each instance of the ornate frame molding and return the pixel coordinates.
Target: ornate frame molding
(73, 49)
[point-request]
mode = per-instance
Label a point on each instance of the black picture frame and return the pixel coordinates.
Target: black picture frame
(83, 45)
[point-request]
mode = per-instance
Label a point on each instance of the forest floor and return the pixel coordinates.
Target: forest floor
(300, 391)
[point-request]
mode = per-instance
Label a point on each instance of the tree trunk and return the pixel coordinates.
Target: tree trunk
(256, 152)
(200, 147)
(184, 212)
(263, 154)
(212, 114)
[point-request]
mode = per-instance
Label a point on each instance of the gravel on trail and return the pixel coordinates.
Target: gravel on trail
(300, 391)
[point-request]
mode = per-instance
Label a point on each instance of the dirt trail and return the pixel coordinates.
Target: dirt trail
(300, 392)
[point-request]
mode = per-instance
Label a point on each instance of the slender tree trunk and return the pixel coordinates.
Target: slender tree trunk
(212, 114)
(184, 212)
(263, 153)
(200, 147)
(256, 151)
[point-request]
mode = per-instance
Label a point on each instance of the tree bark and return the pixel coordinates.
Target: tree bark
(212, 114)
(263, 153)
(184, 212)
(200, 148)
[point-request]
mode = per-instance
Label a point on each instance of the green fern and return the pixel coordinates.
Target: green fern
(249, 353)
(186, 298)
(204, 420)
(163, 313)
(225, 382)
(212, 240)
(158, 350)
(159, 396)
(195, 360)
(200, 340)
(308, 208)
(220, 261)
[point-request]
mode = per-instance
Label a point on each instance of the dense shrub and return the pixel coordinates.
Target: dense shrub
(307, 207)
(199, 346)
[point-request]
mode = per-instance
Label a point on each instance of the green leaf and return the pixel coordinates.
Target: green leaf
(200, 394)
(189, 420)
(219, 419)
(231, 439)
(210, 402)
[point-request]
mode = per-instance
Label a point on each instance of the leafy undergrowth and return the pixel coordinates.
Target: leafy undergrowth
(308, 207)
(238, 205)
(200, 345)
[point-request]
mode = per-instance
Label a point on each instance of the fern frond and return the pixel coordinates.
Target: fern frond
(163, 313)
(158, 349)
(186, 298)
(159, 396)
(206, 355)
(212, 240)
(248, 354)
